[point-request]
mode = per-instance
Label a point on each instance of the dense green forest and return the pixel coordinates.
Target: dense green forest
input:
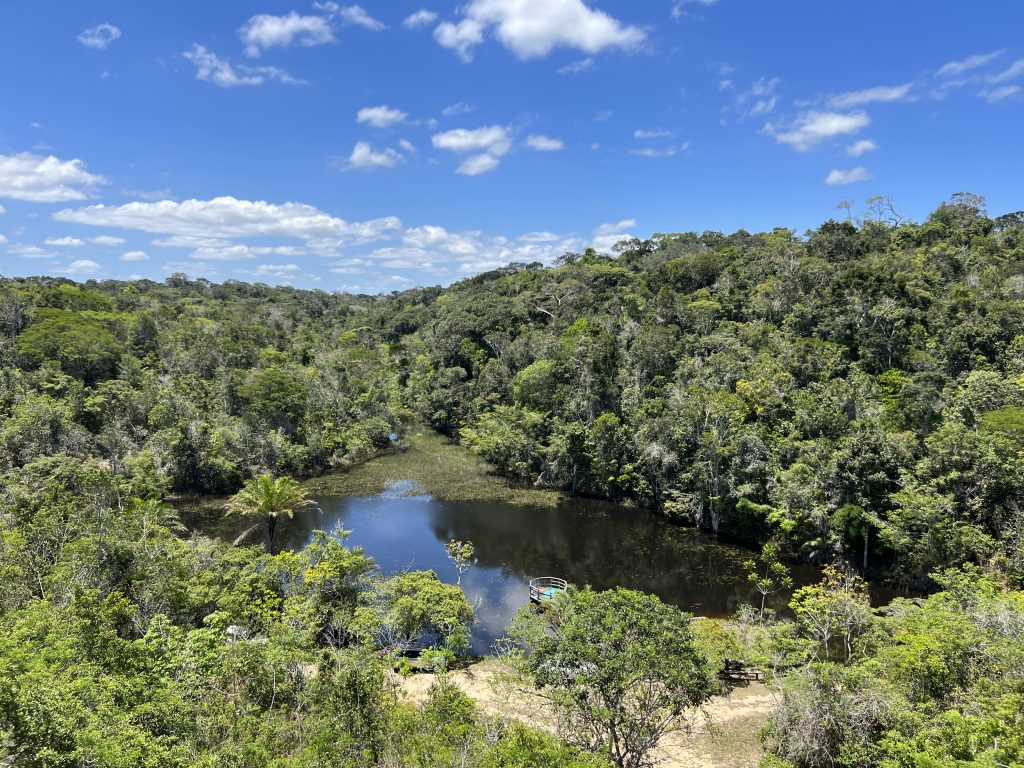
(853, 396)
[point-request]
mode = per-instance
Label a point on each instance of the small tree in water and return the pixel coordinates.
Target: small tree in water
(772, 577)
(267, 499)
(461, 555)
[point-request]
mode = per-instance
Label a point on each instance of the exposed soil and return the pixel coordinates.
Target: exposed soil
(725, 736)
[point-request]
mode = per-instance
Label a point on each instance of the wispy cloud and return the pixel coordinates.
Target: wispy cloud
(880, 93)
(543, 143)
(577, 67)
(99, 37)
(380, 117)
(352, 15)
(422, 18)
(213, 69)
(957, 68)
(812, 128)
(851, 176)
(265, 31)
(861, 147)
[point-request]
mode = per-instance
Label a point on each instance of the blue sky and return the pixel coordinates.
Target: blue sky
(379, 146)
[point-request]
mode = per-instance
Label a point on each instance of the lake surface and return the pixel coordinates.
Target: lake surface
(583, 541)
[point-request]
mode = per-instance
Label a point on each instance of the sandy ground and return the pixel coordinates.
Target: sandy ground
(726, 738)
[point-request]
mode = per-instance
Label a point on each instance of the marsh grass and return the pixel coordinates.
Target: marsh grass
(439, 467)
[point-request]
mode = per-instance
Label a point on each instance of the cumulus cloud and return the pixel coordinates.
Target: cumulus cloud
(380, 117)
(421, 18)
(64, 242)
(365, 157)
(956, 68)
(2, 210)
(861, 147)
(27, 251)
(228, 217)
(851, 176)
(99, 37)
(476, 165)
(881, 93)
(543, 143)
(135, 256)
(108, 240)
(812, 128)
(265, 31)
(39, 179)
(213, 69)
(493, 139)
(3, 240)
(533, 28)
(81, 267)
(607, 235)
(352, 15)
(487, 144)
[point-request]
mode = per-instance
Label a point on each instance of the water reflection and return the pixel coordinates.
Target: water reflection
(586, 542)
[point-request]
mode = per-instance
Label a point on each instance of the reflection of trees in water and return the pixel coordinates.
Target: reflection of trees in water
(604, 546)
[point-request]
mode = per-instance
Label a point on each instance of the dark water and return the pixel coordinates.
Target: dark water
(583, 541)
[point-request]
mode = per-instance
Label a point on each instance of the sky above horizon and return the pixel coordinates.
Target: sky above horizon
(375, 147)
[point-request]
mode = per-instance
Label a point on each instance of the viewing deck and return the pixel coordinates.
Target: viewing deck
(545, 588)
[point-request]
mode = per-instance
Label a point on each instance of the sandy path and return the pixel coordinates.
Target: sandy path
(727, 740)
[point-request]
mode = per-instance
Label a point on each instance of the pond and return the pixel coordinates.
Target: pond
(583, 541)
(403, 507)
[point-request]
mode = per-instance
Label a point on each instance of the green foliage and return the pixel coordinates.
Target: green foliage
(622, 671)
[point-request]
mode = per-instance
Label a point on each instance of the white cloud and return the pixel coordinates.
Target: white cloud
(1012, 72)
(577, 67)
(532, 28)
(265, 31)
(421, 18)
(351, 14)
(211, 68)
(275, 270)
(365, 157)
(2, 210)
(607, 235)
(39, 179)
(812, 128)
(851, 176)
(99, 37)
(408, 146)
(81, 267)
(106, 240)
(655, 133)
(380, 117)
(461, 108)
(64, 242)
(29, 251)
(652, 152)
(477, 164)
(543, 143)
(992, 95)
(861, 147)
(135, 256)
(759, 99)
(955, 68)
(881, 93)
(679, 6)
(3, 240)
(488, 145)
(225, 250)
(493, 139)
(227, 217)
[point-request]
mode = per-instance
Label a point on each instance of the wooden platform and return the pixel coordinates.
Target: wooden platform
(545, 588)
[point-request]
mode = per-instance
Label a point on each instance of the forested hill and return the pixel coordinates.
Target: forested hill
(856, 392)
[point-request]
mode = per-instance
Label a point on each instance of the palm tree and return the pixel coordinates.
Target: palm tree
(267, 498)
